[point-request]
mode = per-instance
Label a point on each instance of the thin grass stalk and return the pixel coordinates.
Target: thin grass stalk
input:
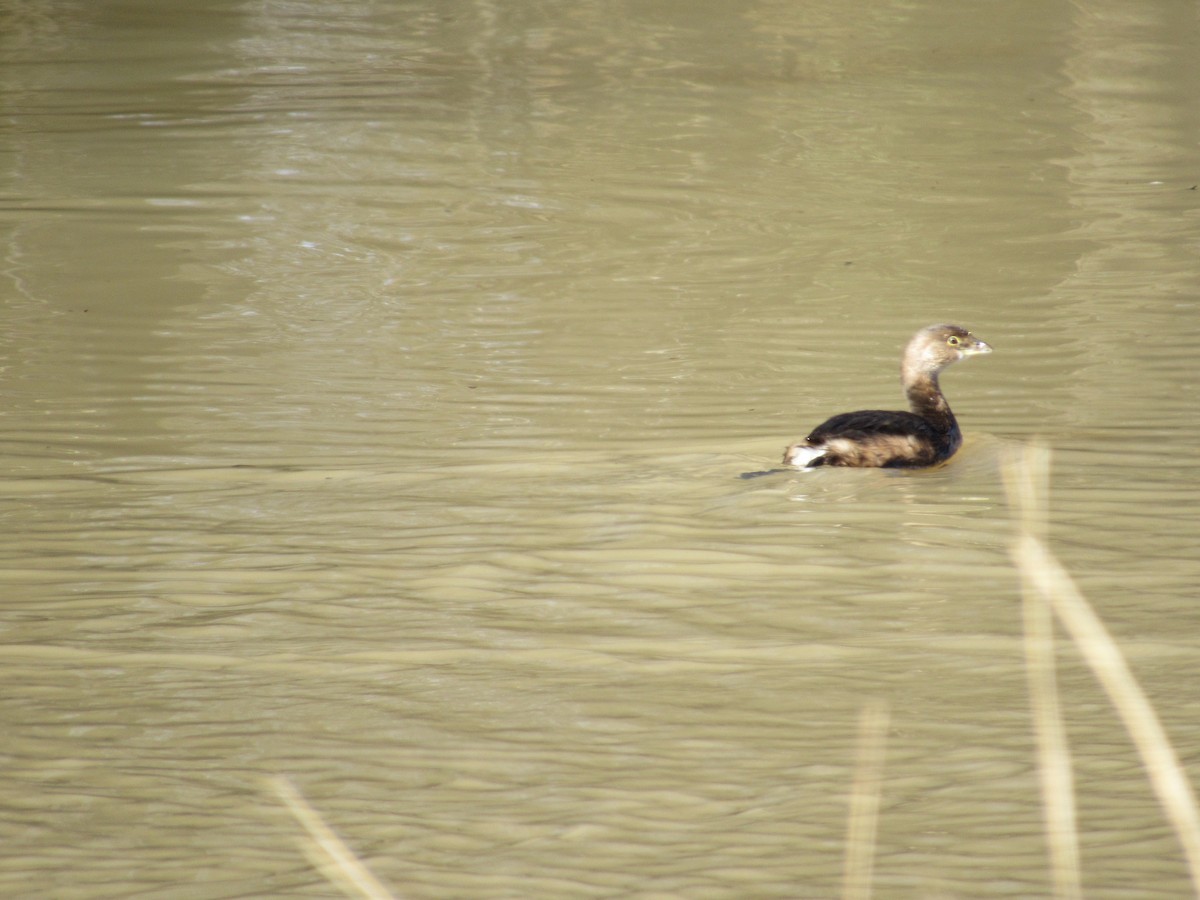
(1027, 483)
(863, 822)
(1044, 574)
(1108, 664)
(1054, 755)
(326, 851)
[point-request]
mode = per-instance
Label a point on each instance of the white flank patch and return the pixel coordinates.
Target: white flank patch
(800, 455)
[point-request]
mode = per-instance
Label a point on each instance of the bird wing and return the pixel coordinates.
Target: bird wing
(867, 422)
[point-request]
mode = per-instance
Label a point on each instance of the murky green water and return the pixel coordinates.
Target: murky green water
(376, 382)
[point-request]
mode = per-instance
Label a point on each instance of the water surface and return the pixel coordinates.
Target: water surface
(377, 378)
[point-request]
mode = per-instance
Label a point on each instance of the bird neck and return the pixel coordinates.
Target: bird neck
(926, 399)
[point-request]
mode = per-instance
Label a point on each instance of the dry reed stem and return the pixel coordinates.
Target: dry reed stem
(1027, 483)
(325, 850)
(859, 863)
(1043, 574)
(1054, 755)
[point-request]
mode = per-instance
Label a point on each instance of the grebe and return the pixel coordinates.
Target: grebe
(876, 438)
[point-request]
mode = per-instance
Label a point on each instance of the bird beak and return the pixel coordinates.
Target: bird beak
(978, 347)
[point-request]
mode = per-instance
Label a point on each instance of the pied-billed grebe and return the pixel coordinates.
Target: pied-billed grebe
(877, 438)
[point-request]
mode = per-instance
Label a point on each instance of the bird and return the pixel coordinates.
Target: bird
(875, 438)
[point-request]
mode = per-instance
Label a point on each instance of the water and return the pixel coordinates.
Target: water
(377, 378)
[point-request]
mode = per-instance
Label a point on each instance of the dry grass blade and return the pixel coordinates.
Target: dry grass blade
(1054, 756)
(1043, 574)
(1027, 483)
(1108, 664)
(864, 803)
(326, 851)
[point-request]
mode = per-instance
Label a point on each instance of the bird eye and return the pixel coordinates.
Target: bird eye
(953, 340)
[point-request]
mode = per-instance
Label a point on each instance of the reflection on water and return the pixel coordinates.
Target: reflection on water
(376, 385)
